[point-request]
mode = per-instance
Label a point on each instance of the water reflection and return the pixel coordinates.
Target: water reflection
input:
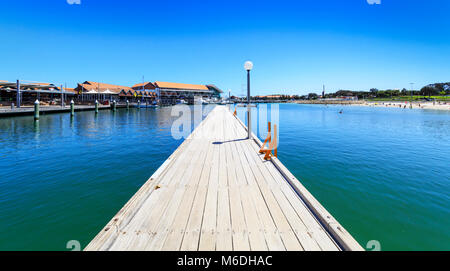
(36, 130)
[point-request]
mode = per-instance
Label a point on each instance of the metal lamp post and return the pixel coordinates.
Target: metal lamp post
(18, 94)
(248, 66)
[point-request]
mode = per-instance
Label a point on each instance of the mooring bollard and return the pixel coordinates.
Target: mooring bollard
(128, 105)
(139, 104)
(114, 105)
(96, 106)
(72, 108)
(36, 110)
(12, 106)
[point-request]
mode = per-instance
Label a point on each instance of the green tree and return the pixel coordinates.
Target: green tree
(429, 90)
(312, 96)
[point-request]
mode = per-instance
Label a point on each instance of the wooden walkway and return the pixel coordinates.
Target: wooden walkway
(216, 192)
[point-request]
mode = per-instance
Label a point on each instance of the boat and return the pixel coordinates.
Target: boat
(200, 100)
(152, 105)
(225, 102)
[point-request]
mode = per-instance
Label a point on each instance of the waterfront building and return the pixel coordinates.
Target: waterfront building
(144, 86)
(170, 93)
(217, 92)
(90, 91)
(126, 95)
(145, 92)
(46, 93)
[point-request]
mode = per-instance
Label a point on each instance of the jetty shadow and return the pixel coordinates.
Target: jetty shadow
(228, 141)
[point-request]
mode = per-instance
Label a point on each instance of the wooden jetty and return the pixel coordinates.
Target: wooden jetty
(216, 192)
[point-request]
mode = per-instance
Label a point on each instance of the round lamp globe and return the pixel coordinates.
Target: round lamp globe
(248, 65)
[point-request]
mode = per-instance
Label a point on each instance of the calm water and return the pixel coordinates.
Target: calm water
(65, 179)
(383, 173)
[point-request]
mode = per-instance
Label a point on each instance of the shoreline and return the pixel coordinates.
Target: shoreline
(392, 104)
(414, 105)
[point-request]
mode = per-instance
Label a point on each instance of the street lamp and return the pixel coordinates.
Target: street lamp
(248, 66)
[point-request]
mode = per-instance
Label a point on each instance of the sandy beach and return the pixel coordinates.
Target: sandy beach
(407, 105)
(392, 104)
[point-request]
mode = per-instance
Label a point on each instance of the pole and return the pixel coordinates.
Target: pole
(18, 94)
(36, 110)
(72, 108)
(96, 106)
(128, 105)
(62, 96)
(114, 105)
(249, 114)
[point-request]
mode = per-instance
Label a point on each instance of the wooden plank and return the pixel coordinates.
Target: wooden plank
(287, 234)
(208, 231)
(255, 227)
(177, 230)
(238, 224)
(163, 228)
(192, 234)
(271, 233)
(224, 240)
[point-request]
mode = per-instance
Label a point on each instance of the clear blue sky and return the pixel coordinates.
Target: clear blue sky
(296, 46)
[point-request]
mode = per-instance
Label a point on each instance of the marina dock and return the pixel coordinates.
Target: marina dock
(24, 111)
(216, 192)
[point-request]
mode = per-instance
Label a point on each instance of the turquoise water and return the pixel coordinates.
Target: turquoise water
(383, 173)
(65, 179)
